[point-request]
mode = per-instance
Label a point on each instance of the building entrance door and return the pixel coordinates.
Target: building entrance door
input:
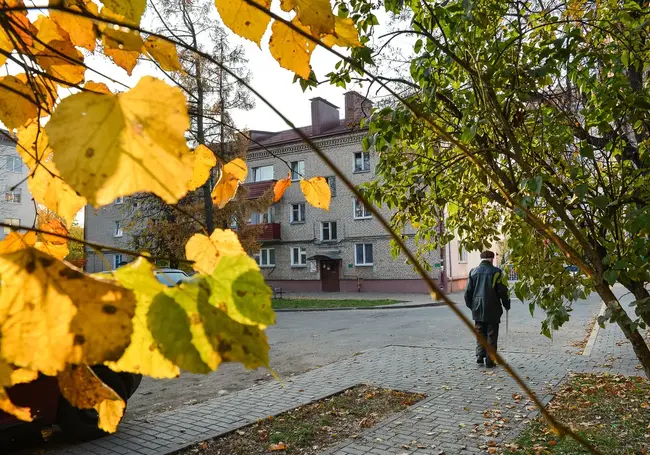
(329, 276)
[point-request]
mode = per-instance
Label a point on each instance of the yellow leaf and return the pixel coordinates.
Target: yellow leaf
(44, 90)
(123, 47)
(280, 187)
(315, 14)
(131, 10)
(56, 251)
(232, 173)
(291, 50)
(317, 192)
(124, 144)
(81, 29)
(22, 413)
(47, 31)
(16, 241)
(163, 52)
(53, 245)
(97, 87)
(84, 390)
(345, 35)
(206, 252)
(44, 181)
(243, 19)
(6, 45)
(62, 61)
(204, 161)
(225, 189)
(52, 314)
(17, 104)
(142, 355)
(237, 168)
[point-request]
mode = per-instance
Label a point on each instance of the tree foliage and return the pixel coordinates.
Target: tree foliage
(84, 142)
(528, 121)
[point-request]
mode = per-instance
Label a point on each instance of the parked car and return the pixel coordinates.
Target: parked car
(171, 277)
(49, 407)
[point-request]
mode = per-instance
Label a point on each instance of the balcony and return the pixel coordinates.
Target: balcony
(271, 232)
(257, 189)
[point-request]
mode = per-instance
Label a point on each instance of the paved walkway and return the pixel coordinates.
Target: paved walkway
(467, 406)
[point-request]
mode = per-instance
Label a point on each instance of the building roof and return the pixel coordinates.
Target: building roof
(289, 136)
(6, 137)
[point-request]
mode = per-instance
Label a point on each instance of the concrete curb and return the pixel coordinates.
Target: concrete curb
(594, 333)
(382, 307)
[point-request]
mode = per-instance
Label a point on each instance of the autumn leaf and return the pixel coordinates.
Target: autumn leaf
(120, 45)
(317, 192)
(97, 87)
(142, 355)
(44, 91)
(278, 447)
(315, 14)
(280, 187)
(131, 142)
(164, 52)
(80, 29)
(237, 168)
(48, 31)
(232, 174)
(204, 161)
(62, 61)
(18, 105)
(55, 315)
(6, 45)
(16, 241)
(84, 390)
(131, 10)
(10, 376)
(345, 34)
(44, 181)
(53, 245)
(243, 19)
(291, 49)
(239, 289)
(206, 251)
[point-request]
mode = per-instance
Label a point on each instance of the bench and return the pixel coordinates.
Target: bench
(277, 293)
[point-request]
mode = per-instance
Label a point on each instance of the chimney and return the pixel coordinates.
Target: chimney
(356, 107)
(324, 116)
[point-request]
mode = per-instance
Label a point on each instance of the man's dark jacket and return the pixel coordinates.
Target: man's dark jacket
(487, 290)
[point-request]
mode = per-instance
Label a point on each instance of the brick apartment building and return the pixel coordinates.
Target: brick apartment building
(305, 249)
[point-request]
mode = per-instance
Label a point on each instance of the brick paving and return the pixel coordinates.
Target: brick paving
(451, 420)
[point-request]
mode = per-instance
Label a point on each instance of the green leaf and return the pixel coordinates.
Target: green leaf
(238, 287)
(611, 276)
(586, 151)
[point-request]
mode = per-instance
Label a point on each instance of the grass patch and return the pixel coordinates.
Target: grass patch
(321, 303)
(310, 429)
(610, 411)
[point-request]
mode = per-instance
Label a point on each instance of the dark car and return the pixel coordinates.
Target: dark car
(49, 407)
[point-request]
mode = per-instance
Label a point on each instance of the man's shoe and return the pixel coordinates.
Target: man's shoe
(489, 363)
(480, 360)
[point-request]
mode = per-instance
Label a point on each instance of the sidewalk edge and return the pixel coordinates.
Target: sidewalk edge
(383, 307)
(594, 333)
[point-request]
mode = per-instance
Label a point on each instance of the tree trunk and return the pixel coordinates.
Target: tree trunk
(625, 323)
(639, 291)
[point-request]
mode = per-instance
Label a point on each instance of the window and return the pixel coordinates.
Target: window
(360, 210)
(118, 229)
(14, 164)
(262, 218)
(462, 254)
(262, 173)
(328, 231)
(266, 257)
(117, 260)
(297, 170)
(119, 200)
(298, 257)
(13, 222)
(13, 196)
(363, 254)
(362, 162)
(331, 181)
(298, 213)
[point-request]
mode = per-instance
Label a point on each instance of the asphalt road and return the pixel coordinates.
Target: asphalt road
(304, 341)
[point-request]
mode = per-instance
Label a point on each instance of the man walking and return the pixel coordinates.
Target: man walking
(487, 290)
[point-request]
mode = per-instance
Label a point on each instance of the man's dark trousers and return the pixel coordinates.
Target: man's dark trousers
(489, 330)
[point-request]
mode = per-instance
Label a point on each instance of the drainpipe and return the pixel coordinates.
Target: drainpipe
(443, 254)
